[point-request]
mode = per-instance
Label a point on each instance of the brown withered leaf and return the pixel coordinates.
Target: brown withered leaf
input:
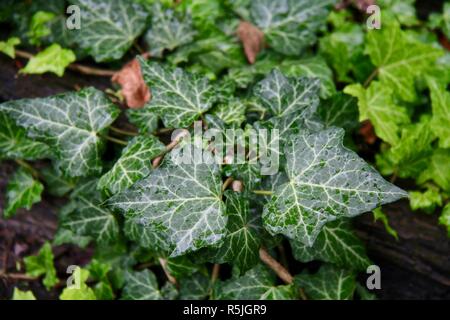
(134, 89)
(367, 132)
(252, 39)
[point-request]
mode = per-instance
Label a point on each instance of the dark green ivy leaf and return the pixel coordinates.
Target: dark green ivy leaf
(141, 285)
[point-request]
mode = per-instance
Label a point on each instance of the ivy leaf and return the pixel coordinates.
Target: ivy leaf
(364, 294)
(90, 218)
(242, 240)
(284, 96)
(326, 182)
(444, 219)
(340, 111)
(146, 236)
(426, 201)
(404, 10)
(336, 244)
(145, 119)
(81, 293)
(56, 184)
(195, 287)
(23, 295)
(329, 283)
(178, 98)
(399, 61)
(133, 164)
(141, 285)
(38, 26)
(313, 68)
(290, 26)
(70, 124)
(440, 99)
(22, 192)
(256, 284)
(7, 47)
(376, 104)
(42, 264)
(169, 30)
(438, 169)
(180, 201)
(232, 112)
(181, 266)
(378, 214)
(108, 29)
(53, 59)
(15, 145)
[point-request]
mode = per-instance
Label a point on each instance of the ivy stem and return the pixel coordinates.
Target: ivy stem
(156, 161)
(115, 140)
(171, 278)
(281, 271)
(226, 184)
(215, 272)
(18, 276)
(370, 78)
(263, 192)
(75, 67)
(27, 166)
(123, 132)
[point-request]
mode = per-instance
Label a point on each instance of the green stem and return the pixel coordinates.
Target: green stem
(263, 192)
(27, 166)
(123, 132)
(370, 78)
(118, 141)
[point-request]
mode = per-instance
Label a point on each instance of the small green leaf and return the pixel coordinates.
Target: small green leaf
(53, 59)
(326, 182)
(83, 292)
(23, 295)
(440, 99)
(145, 119)
(141, 285)
(22, 192)
(55, 183)
(38, 26)
(378, 214)
(438, 169)
(195, 287)
(42, 264)
(329, 283)
(444, 219)
(7, 47)
(232, 112)
(426, 201)
(133, 164)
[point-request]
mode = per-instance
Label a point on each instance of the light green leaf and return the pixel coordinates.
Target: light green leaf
(22, 192)
(444, 219)
(378, 214)
(53, 59)
(38, 26)
(313, 68)
(23, 295)
(426, 201)
(256, 284)
(403, 10)
(375, 104)
(329, 283)
(70, 123)
(182, 202)
(133, 164)
(336, 244)
(326, 182)
(15, 145)
(290, 26)
(440, 99)
(438, 169)
(7, 47)
(42, 264)
(242, 240)
(83, 292)
(90, 218)
(141, 285)
(399, 61)
(109, 28)
(285, 96)
(178, 98)
(169, 30)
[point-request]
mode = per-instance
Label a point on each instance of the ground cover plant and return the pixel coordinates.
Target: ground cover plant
(315, 75)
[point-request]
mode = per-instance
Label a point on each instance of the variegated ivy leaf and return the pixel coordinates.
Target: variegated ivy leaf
(376, 104)
(15, 145)
(70, 124)
(340, 111)
(109, 28)
(90, 218)
(329, 283)
(146, 236)
(181, 267)
(141, 285)
(133, 164)
(399, 61)
(56, 184)
(326, 182)
(196, 287)
(169, 30)
(179, 98)
(242, 240)
(182, 202)
(285, 96)
(336, 244)
(256, 284)
(231, 112)
(144, 119)
(440, 99)
(22, 192)
(290, 26)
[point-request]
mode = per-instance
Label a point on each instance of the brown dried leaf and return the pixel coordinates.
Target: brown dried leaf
(367, 132)
(252, 39)
(134, 89)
